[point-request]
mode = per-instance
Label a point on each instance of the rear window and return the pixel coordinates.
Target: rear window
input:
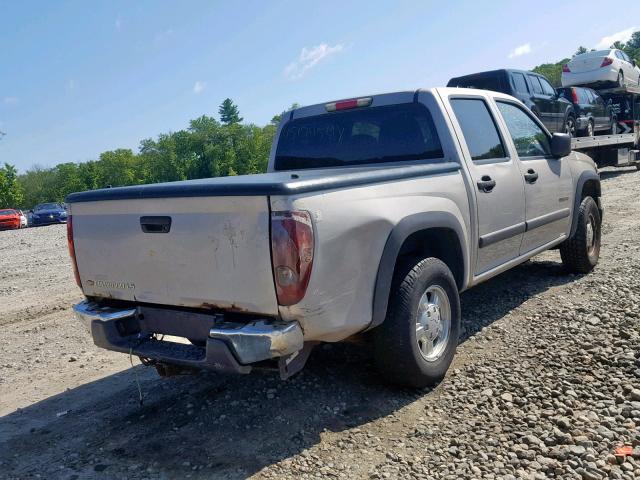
(391, 133)
(7, 212)
(597, 53)
(491, 82)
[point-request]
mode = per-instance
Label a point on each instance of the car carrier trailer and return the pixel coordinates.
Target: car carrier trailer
(621, 149)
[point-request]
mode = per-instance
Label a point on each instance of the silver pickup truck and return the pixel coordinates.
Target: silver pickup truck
(375, 213)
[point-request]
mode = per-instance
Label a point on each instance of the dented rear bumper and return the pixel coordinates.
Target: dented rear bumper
(227, 346)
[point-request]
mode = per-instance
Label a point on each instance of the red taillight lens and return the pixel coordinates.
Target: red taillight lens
(574, 95)
(72, 250)
(291, 254)
(606, 61)
(565, 68)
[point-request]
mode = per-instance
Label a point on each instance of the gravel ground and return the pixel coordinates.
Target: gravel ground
(546, 384)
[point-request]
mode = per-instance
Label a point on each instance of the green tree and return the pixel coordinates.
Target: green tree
(553, 71)
(580, 51)
(229, 112)
(11, 193)
(275, 120)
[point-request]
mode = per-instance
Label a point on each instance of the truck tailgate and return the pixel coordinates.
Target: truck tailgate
(215, 254)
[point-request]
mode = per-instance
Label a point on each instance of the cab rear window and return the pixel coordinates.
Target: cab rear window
(392, 133)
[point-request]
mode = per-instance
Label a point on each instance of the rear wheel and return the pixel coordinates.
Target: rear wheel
(570, 125)
(417, 341)
(581, 251)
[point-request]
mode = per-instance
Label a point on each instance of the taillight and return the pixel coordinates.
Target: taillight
(72, 250)
(348, 104)
(291, 254)
(574, 95)
(606, 61)
(565, 68)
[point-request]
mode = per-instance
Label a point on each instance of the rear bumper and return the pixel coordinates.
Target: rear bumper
(591, 77)
(228, 346)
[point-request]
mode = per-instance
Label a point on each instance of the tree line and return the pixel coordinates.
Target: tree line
(207, 148)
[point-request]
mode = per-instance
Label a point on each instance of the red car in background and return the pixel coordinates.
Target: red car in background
(9, 218)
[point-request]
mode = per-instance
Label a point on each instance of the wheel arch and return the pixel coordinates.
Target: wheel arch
(436, 234)
(588, 185)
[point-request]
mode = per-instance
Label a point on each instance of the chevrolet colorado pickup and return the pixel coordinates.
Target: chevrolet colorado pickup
(374, 214)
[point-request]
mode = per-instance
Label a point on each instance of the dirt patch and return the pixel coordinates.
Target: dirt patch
(546, 383)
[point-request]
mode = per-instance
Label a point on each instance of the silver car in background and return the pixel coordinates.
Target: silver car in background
(610, 66)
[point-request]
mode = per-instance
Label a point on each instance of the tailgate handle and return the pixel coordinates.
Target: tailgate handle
(155, 224)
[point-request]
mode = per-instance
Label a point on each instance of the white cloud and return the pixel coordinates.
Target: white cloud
(199, 87)
(521, 50)
(309, 58)
(10, 100)
(621, 36)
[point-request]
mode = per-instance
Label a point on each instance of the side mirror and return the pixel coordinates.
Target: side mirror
(560, 145)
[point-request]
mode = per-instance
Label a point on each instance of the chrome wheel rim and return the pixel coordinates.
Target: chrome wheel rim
(590, 130)
(591, 234)
(433, 323)
(571, 127)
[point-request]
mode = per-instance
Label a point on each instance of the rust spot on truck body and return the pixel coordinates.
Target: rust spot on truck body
(229, 307)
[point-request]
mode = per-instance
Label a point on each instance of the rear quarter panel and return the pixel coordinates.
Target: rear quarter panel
(351, 228)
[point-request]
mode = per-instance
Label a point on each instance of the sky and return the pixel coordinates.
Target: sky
(78, 78)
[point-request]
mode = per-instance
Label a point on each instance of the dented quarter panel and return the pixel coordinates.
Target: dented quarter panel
(351, 228)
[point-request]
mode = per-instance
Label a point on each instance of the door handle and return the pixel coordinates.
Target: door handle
(155, 224)
(486, 184)
(531, 176)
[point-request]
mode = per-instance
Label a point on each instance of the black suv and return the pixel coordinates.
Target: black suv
(533, 90)
(593, 114)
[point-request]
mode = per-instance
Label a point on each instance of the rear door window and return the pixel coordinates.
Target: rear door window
(390, 133)
(535, 84)
(528, 137)
(519, 83)
(479, 129)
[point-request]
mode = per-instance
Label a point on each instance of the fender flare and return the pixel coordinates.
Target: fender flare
(582, 179)
(406, 227)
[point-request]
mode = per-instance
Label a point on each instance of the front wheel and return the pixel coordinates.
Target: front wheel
(620, 81)
(417, 341)
(581, 251)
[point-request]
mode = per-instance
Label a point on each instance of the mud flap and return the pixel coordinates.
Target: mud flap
(293, 363)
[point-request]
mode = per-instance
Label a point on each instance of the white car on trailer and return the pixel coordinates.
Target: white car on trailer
(602, 66)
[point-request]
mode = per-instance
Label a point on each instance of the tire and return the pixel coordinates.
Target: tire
(581, 251)
(570, 125)
(401, 343)
(620, 81)
(590, 129)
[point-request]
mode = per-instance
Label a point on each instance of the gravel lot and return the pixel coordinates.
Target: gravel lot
(546, 384)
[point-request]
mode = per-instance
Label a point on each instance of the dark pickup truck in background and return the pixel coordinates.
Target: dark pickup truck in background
(532, 89)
